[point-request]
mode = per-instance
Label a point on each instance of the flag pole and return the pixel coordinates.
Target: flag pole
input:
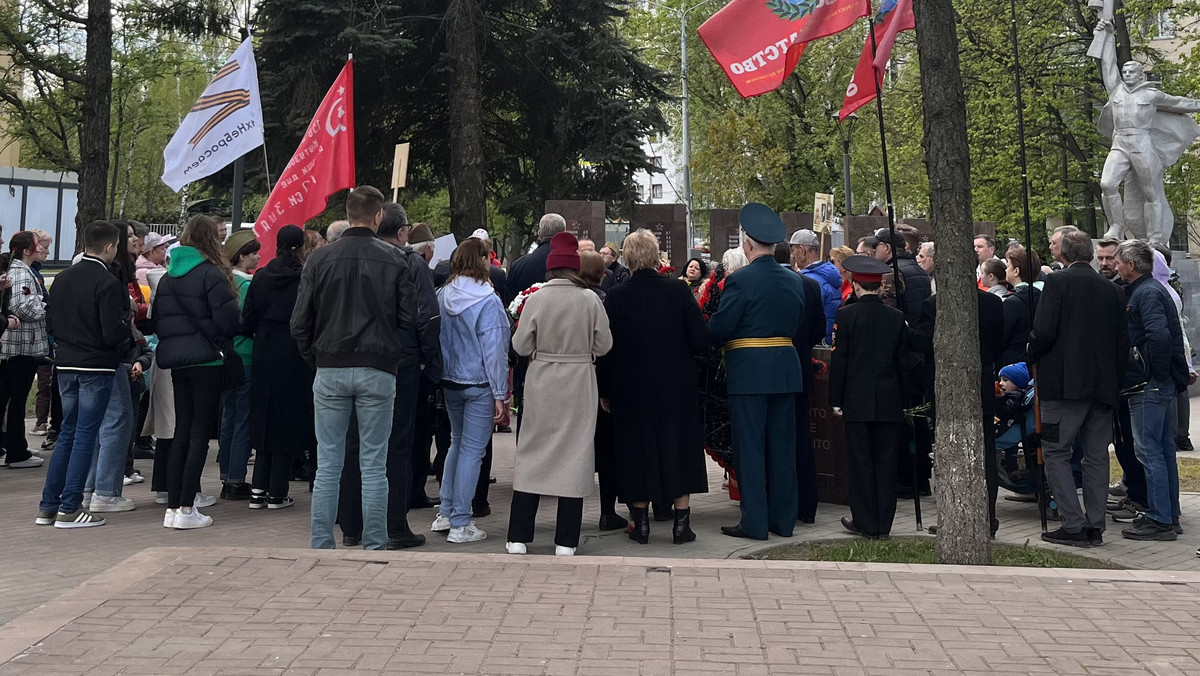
(891, 213)
(1039, 476)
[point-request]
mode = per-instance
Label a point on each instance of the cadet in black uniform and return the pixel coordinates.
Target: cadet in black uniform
(870, 349)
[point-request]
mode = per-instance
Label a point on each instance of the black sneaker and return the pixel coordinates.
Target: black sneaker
(238, 491)
(1184, 445)
(280, 503)
(1175, 525)
(258, 498)
(51, 437)
(1095, 536)
(1149, 529)
(481, 511)
(1064, 537)
(405, 541)
(351, 541)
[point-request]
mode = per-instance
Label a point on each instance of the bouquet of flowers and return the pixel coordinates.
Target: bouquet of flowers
(518, 303)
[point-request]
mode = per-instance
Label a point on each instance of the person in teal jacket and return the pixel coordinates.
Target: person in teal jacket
(762, 310)
(241, 250)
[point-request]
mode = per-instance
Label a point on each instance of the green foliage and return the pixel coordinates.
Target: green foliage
(923, 550)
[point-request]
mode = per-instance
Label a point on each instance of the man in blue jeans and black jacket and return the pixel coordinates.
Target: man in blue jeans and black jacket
(90, 324)
(356, 299)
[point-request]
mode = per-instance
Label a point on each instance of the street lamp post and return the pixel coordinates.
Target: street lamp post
(845, 129)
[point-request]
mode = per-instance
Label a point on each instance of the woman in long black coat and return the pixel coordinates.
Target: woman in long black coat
(281, 410)
(650, 382)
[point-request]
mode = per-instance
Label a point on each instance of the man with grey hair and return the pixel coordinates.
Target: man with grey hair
(1056, 241)
(531, 268)
(1156, 373)
(1080, 324)
(925, 256)
(335, 231)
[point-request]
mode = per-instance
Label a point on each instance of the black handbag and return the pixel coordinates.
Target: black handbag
(233, 372)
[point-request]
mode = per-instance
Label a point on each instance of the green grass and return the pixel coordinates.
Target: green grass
(1189, 473)
(922, 550)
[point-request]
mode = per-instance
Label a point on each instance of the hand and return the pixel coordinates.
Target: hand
(1103, 25)
(5, 282)
(135, 371)
(13, 323)
(1191, 379)
(604, 404)
(498, 415)
(837, 411)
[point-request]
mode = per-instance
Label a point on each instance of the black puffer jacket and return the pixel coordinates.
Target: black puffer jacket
(916, 287)
(195, 311)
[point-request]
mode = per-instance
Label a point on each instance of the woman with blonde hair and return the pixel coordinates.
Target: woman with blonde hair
(837, 256)
(649, 383)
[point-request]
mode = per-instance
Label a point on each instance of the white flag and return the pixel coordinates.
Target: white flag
(225, 124)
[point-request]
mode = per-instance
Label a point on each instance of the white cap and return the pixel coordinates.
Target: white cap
(481, 234)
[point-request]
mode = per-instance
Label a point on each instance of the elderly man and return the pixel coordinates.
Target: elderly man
(586, 244)
(617, 273)
(1156, 373)
(336, 230)
(1080, 323)
(806, 259)
(761, 313)
(531, 268)
(1056, 241)
(925, 256)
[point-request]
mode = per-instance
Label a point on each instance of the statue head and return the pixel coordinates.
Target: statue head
(1133, 74)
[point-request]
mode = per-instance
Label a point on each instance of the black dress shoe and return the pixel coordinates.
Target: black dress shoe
(1095, 536)
(423, 502)
(667, 514)
(351, 541)
(848, 524)
(503, 429)
(482, 511)
(405, 541)
(807, 519)
(613, 521)
(737, 532)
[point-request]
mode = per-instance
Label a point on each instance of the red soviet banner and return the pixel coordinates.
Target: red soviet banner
(894, 16)
(321, 166)
(759, 42)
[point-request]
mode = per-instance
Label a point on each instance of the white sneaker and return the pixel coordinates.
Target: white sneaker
(515, 547)
(203, 500)
(87, 500)
(189, 520)
(169, 518)
(116, 503)
(441, 524)
(135, 477)
(559, 550)
(32, 461)
(161, 498)
(467, 533)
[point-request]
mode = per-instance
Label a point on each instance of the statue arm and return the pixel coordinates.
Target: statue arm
(1110, 71)
(1176, 104)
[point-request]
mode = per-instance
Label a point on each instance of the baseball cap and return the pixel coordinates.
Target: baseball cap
(884, 236)
(154, 240)
(804, 238)
(481, 234)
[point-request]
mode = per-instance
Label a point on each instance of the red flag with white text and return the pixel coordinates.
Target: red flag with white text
(321, 166)
(894, 16)
(759, 42)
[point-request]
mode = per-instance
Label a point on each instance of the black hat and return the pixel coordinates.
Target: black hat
(866, 269)
(885, 236)
(289, 238)
(762, 224)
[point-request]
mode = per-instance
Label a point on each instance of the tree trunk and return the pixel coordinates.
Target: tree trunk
(961, 491)
(468, 201)
(94, 134)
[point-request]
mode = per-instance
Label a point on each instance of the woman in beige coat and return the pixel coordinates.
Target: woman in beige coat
(562, 329)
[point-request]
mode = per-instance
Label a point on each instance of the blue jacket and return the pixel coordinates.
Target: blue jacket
(1155, 337)
(475, 336)
(831, 291)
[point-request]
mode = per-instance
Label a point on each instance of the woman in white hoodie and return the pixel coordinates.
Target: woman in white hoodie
(475, 338)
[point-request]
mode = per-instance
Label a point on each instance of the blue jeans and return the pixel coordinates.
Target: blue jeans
(370, 393)
(107, 474)
(234, 450)
(470, 413)
(1153, 416)
(84, 399)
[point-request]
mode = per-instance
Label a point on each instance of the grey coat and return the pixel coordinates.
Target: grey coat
(563, 328)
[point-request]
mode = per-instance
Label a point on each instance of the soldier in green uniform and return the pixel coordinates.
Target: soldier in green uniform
(762, 310)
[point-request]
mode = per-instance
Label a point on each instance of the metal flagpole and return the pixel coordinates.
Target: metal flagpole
(891, 212)
(1040, 473)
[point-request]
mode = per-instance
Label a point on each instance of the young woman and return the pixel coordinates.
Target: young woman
(197, 315)
(233, 454)
(563, 328)
(475, 342)
(22, 347)
(281, 399)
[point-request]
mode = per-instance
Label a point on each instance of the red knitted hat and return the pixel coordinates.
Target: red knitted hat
(564, 252)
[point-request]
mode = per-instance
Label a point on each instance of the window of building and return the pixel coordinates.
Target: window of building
(1162, 26)
(656, 160)
(656, 191)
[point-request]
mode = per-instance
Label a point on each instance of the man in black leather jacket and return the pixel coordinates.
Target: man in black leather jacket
(356, 300)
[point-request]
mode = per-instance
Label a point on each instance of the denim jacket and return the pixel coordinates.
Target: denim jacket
(475, 336)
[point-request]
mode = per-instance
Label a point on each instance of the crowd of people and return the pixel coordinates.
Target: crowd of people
(346, 357)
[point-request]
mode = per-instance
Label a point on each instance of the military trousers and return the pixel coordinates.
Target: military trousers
(764, 457)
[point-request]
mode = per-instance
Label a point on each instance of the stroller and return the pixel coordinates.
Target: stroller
(1016, 448)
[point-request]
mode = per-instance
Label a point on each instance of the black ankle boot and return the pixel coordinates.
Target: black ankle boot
(682, 532)
(641, 525)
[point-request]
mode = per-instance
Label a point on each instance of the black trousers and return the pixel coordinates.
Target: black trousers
(922, 433)
(1135, 473)
(871, 450)
(432, 424)
(806, 463)
(160, 478)
(271, 474)
(399, 463)
(568, 522)
(197, 412)
(16, 379)
(606, 462)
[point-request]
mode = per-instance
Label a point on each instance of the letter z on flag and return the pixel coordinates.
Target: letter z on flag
(321, 166)
(225, 123)
(894, 16)
(759, 42)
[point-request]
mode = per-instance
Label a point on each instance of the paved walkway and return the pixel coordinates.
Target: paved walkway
(261, 611)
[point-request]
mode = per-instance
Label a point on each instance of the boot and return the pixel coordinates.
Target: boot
(641, 525)
(682, 532)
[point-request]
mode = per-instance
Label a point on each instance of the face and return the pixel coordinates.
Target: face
(1013, 275)
(925, 260)
(43, 250)
(865, 250)
(1107, 256)
(1007, 385)
(587, 245)
(883, 252)
(1127, 271)
(1056, 247)
(799, 256)
(1133, 74)
(157, 255)
(608, 256)
(222, 233)
(135, 242)
(983, 251)
(249, 262)
(693, 271)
